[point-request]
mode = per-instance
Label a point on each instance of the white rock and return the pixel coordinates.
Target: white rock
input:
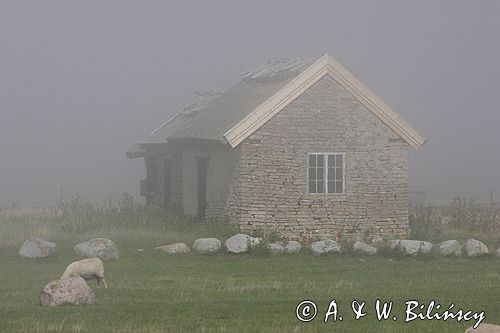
(326, 246)
(276, 248)
(37, 248)
(484, 328)
(293, 247)
(207, 245)
(362, 247)
(497, 253)
(449, 247)
(175, 248)
(71, 291)
(102, 248)
(241, 243)
(475, 248)
(411, 247)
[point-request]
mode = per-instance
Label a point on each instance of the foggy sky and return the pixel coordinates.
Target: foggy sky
(81, 81)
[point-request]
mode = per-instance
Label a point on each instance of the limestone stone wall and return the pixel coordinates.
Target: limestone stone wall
(269, 189)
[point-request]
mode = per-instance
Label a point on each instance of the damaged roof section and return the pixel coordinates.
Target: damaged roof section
(212, 114)
(233, 115)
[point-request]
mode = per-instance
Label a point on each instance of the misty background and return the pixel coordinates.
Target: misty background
(80, 82)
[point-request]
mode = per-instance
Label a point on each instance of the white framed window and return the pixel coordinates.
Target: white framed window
(326, 173)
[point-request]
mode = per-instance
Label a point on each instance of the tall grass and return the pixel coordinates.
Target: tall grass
(461, 219)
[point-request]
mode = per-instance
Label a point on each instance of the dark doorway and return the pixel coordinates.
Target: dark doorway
(167, 183)
(151, 178)
(202, 169)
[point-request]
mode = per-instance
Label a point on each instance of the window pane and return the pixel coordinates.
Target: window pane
(331, 161)
(312, 187)
(321, 186)
(339, 187)
(312, 160)
(320, 160)
(331, 187)
(331, 173)
(320, 174)
(339, 175)
(338, 161)
(312, 174)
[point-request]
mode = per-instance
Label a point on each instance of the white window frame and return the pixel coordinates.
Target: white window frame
(325, 167)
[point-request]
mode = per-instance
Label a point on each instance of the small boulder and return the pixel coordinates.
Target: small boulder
(363, 248)
(175, 248)
(37, 248)
(102, 248)
(497, 253)
(241, 243)
(207, 245)
(326, 246)
(276, 248)
(449, 247)
(293, 247)
(410, 247)
(70, 291)
(484, 328)
(475, 248)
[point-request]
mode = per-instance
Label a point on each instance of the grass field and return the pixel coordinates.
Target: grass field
(152, 292)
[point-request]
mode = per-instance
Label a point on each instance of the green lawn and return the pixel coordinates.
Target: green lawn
(152, 292)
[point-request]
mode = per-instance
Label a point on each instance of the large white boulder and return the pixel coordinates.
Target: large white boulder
(363, 248)
(207, 245)
(175, 248)
(326, 246)
(293, 247)
(448, 248)
(102, 248)
(475, 248)
(37, 248)
(410, 247)
(70, 291)
(241, 243)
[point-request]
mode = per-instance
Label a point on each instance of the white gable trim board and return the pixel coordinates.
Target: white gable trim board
(324, 65)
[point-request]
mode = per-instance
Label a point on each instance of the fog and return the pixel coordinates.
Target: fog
(82, 81)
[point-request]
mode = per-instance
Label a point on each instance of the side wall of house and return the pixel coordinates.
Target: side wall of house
(270, 189)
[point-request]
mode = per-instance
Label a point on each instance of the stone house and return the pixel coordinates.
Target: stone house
(299, 147)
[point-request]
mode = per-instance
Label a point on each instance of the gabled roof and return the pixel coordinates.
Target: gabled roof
(234, 115)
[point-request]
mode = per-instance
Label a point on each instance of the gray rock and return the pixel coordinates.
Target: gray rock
(449, 247)
(175, 248)
(475, 248)
(326, 246)
(241, 243)
(37, 248)
(70, 291)
(102, 248)
(484, 328)
(293, 247)
(497, 253)
(276, 248)
(207, 245)
(362, 247)
(411, 247)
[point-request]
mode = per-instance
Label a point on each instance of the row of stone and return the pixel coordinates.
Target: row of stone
(102, 248)
(242, 243)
